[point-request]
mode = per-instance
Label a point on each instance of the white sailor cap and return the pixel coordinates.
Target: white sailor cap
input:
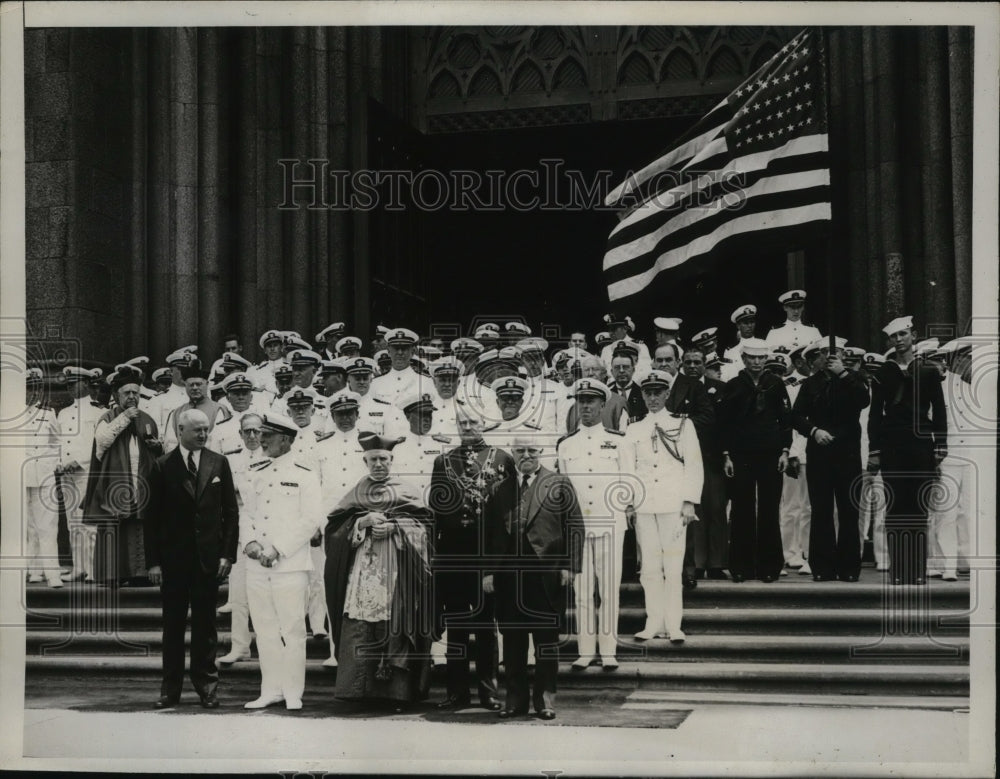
(293, 342)
(332, 329)
(898, 324)
(273, 422)
(602, 338)
(283, 370)
(533, 345)
(235, 382)
(76, 373)
(416, 401)
(702, 337)
(590, 388)
(792, 296)
(872, 359)
(360, 364)
(345, 400)
(303, 358)
(234, 361)
(300, 396)
(271, 335)
(778, 358)
(348, 342)
(466, 346)
(401, 336)
(670, 324)
(755, 347)
(160, 374)
(183, 356)
(656, 379)
(748, 311)
(518, 328)
(445, 365)
(509, 385)
(382, 356)
(33, 376)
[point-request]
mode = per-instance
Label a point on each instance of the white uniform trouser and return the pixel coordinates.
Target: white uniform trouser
(951, 514)
(42, 528)
(872, 510)
(278, 609)
(795, 513)
(661, 539)
(597, 628)
(240, 609)
(82, 538)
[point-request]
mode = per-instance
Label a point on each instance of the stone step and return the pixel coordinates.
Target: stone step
(808, 621)
(852, 678)
(792, 591)
(698, 647)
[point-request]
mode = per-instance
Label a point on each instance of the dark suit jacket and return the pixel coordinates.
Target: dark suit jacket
(527, 561)
(188, 520)
(689, 396)
(636, 405)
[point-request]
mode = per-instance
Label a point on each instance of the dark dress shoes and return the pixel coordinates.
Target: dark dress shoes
(511, 713)
(166, 702)
(850, 578)
(210, 701)
(768, 579)
(738, 577)
(820, 578)
(689, 582)
(547, 714)
(717, 574)
(490, 704)
(454, 702)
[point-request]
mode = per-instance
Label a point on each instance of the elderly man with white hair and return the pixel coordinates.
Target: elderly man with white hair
(190, 534)
(533, 535)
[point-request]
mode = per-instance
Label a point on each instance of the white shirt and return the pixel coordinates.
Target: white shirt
(591, 458)
(282, 508)
(661, 482)
(39, 436)
(793, 335)
(196, 454)
(77, 423)
(394, 385)
(413, 460)
(378, 415)
(341, 466)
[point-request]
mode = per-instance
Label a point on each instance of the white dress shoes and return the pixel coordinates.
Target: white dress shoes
(264, 701)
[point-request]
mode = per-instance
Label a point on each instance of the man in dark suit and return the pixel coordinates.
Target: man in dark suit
(534, 541)
(708, 539)
(464, 480)
(623, 368)
(190, 533)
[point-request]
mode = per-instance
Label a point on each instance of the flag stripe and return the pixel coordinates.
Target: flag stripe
(697, 201)
(705, 244)
(675, 244)
(704, 130)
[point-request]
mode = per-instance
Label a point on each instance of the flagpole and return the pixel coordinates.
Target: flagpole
(825, 59)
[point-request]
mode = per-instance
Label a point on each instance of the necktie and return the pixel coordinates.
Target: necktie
(192, 468)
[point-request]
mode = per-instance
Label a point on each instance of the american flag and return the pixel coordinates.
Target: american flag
(753, 171)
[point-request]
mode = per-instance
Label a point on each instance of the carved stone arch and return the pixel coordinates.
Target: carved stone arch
(636, 68)
(678, 64)
(485, 81)
(445, 84)
(725, 62)
(570, 73)
(763, 53)
(528, 77)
